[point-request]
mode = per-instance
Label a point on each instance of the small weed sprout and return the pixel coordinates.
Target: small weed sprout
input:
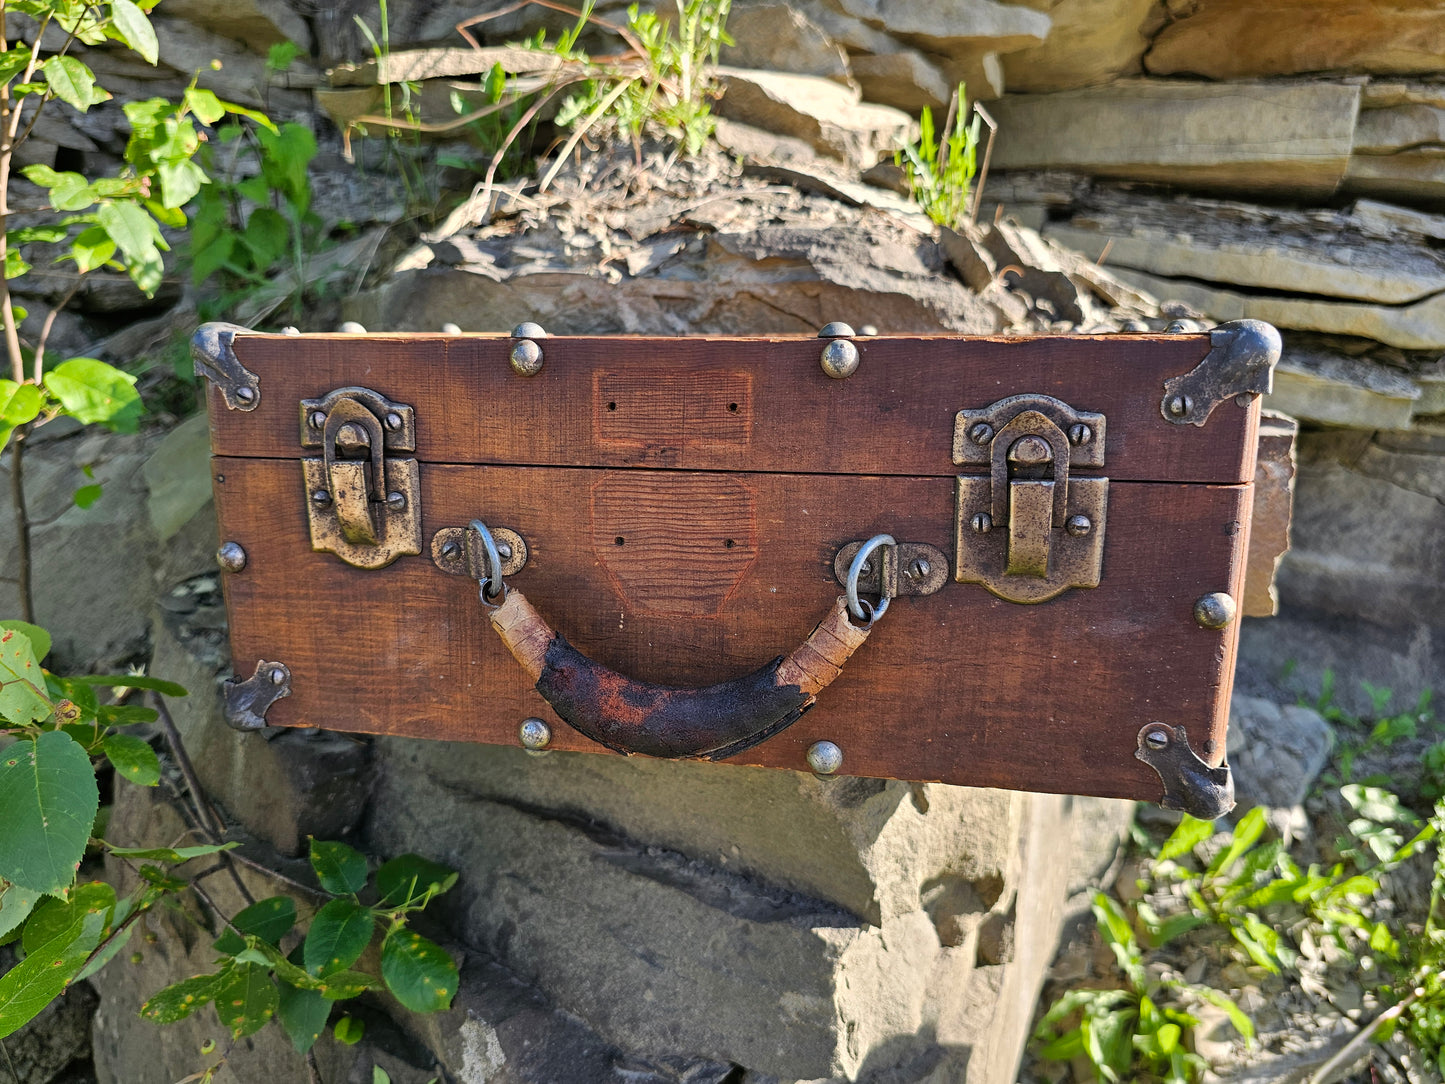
(940, 168)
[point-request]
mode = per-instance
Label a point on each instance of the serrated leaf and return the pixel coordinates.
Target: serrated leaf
(419, 973)
(124, 714)
(410, 879)
(340, 869)
(303, 1015)
(269, 919)
(38, 637)
(133, 681)
(247, 1000)
(22, 696)
(45, 972)
(130, 22)
(172, 854)
(93, 392)
(340, 985)
(48, 802)
(56, 914)
(338, 936)
(133, 758)
(73, 83)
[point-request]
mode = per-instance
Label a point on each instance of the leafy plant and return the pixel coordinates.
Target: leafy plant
(1140, 1027)
(255, 980)
(940, 168)
(107, 222)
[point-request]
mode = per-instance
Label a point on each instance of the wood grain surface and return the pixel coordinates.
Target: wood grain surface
(958, 686)
(755, 405)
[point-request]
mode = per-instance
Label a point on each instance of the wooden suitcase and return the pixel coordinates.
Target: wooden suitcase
(1056, 528)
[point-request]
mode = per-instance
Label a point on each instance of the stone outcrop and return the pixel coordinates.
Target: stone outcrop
(1090, 41)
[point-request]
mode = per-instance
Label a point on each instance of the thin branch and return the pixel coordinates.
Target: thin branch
(582, 129)
(13, 1074)
(276, 875)
(17, 486)
(1327, 1073)
(45, 329)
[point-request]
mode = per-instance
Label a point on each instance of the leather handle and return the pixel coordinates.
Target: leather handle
(717, 721)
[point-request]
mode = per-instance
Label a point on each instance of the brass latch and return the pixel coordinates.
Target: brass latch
(362, 503)
(1030, 529)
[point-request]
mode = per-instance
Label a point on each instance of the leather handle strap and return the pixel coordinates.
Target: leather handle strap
(637, 717)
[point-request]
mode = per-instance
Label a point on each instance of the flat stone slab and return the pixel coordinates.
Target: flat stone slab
(1293, 137)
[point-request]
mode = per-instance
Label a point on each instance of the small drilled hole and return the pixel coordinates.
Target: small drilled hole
(611, 406)
(620, 540)
(729, 543)
(733, 407)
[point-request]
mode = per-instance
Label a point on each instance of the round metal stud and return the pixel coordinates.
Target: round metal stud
(1080, 434)
(1214, 611)
(534, 734)
(1030, 451)
(351, 327)
(1157, 737)
(824, 757)
(981, 523)
(321, 496)
(289, 330)
(317, 419)
(451, 550)
(1078, 526)
(396, 501)
(529, 330)
(836, 330)
(451, 329)
(231, 557)
(840, 359)
(917, 570)
(527, 357)
(1180, 405)
(278, 676)
(246, 395)
(980, 433)
(393, 421)
(868, 330)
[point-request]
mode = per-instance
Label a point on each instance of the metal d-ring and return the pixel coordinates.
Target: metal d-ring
(856, 606)
(494, 563)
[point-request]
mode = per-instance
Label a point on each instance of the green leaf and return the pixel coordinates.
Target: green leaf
(179, 1000)
(418, 972)
(1242, 1023)
(38, 637)
(340, 869)
(338, 936)
(133, 758)
(340, 985)
(380, 1075)
(92, 249)
(85, 496)
(247, 1000)
(48, 802)
(19, 403)
(303, 1015)
(16, 903)
(22, 697)
(205, 105)
(139, 239)
(1190, 833)
(180, 182)
(172, 854)
(133, 681)
(45, 972)
(132, 27)
(56, 914)
(1246, 833)
(93, 392)
(411, 879)
(124, 714)
(269, 919)
(281, 55)
(349, 1030)
(73, 83)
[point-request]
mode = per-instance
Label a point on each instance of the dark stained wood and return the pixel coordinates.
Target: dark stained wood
(958, 686)
(739, 404)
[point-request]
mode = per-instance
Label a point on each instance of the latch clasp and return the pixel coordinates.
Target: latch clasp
(1032, 528)
(361, 503)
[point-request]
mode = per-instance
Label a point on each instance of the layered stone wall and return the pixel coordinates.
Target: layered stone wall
(654, 922)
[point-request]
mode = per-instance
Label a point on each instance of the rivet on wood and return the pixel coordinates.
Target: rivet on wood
(836, 329)
(982, 523)
(1180, 405)
(246, 395)
(1078, 526)
(1080, 434)
(824, 757)
(1214, 611)
(393, 421)
(981, 433)
(317, 419)
(231, 557)
(840, 359)
(321, 496)
(534, 734)
(527, 358)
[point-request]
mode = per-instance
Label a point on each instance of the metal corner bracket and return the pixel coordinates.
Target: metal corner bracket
(1241, 361)
(213, 352)
(246, 702)
(1190, 785)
